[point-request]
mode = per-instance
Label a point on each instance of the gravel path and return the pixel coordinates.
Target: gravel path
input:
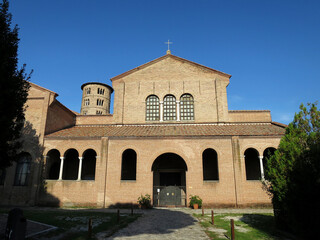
(163, 224)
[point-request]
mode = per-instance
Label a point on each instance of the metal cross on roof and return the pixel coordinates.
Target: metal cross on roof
(168, 51)
(168, 44)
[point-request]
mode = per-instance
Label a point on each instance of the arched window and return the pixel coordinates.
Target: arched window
(210, 165)
(89, 165)
(22, 170)
(186, 107)
(252, 162)
(71, 165)
(53, 164)
(88, 90)
(99, 112)
(87, 102)
(169, 108)
(267, 153)
(129, 165)
(152, 108)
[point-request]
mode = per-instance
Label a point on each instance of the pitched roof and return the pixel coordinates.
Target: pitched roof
(170, 130)
(164, 57)
(42, 88)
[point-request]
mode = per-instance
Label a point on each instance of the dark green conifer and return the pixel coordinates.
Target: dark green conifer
(294, 175)
(13, 90)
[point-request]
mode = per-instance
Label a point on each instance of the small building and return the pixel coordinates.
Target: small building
(171, 135)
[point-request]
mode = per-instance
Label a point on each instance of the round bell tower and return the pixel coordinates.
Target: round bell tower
(95, 98)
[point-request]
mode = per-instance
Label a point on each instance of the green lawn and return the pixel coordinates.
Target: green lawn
(73, 224)
(247, 226)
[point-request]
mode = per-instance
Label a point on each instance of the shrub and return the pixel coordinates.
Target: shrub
(194, 199)
(145, 201)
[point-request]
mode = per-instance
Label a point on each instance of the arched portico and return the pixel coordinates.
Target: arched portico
(169, 180)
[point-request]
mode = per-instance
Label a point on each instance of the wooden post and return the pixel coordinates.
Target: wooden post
(118, 216)
(232, 229)
(212, 217)
(89, 227)
(202, 210)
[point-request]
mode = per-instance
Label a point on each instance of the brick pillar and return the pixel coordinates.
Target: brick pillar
(61, 168)
(261, 167)
(80, 168)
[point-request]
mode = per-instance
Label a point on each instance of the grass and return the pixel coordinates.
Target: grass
(247, 226)
(73, 224)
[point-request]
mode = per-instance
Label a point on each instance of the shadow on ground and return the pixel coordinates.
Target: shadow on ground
(157, 222)
(264, 223)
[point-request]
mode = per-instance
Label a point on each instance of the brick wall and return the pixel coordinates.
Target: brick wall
(249, 116)
(170, 76)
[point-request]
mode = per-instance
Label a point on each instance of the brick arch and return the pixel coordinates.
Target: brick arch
(183, 162)
(88, 169)
(71, 164)
(84, 151)
(246, 147)
(252, 164)
(159, 153)
(53, 164)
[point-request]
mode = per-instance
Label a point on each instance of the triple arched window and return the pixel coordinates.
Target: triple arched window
(170, 109)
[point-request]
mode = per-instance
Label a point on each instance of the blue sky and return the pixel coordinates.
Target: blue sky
(271, 48)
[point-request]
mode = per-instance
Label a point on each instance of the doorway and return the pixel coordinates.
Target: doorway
(169, 180)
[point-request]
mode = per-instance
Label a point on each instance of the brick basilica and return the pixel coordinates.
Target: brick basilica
(171, 135)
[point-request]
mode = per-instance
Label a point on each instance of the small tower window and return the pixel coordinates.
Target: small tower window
(99, 112)
(88, 90)
(100, 91)
(87, 102)
(100, 102)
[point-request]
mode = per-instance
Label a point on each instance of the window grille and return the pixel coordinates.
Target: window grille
(186, 107)
(169, 108)
(152, 108)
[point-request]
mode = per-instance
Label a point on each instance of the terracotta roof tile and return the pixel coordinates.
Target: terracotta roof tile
(171, 130)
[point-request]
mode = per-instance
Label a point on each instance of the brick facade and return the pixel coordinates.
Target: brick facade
(61, 136)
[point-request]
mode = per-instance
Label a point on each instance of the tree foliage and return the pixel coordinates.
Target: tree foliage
(294, 174)
(13, 89)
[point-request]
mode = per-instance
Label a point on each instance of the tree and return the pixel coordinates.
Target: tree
(13, 90)
(294, 175)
